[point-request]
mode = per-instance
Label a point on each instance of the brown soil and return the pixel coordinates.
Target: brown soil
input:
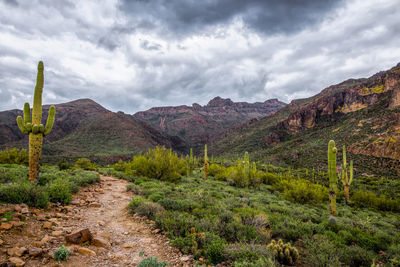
(102, 209)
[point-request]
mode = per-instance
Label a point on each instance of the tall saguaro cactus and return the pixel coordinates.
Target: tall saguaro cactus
(34, 127)
(205, 163)
(332, 150)
(346, 172)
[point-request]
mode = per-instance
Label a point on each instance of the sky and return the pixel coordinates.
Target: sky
(131, 55)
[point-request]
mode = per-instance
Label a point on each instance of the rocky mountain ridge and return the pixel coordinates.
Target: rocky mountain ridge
(198, 125)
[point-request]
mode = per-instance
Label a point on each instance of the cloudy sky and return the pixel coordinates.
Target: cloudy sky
(131, 55)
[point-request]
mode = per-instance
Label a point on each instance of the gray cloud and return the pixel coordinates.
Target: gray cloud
(266, 16)
(133, 55)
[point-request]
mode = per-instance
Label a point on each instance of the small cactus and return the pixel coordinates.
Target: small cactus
(205, 163)
(33, 125)
(246, 165)
(284, 253)
(346, 172)
(332, 150)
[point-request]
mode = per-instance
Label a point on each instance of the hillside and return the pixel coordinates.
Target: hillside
(198, 125)
(363, 114)
(85, 128)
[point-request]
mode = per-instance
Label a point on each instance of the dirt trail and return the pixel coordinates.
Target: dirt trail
(102, 209)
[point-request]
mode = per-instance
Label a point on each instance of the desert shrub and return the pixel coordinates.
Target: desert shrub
(159, 163)
(26, 192)
(170, 204)
(119, 166)
(149, 209)
(136, 189)
(152, 262)
(13, 173)
(85, 164)
(321, 252)
(214, 248)
(368, 199)
(176, 224)
(14, 156)
(242, 253)
(264, 262)
(61, 254)
(135, 203)
(302, 191)
(60, 191)
(63, 165)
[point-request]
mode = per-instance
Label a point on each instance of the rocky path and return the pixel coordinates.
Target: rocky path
(117, 237)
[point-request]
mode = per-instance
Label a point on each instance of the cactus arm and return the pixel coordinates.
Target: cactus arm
(35, 129)
(351, 172)
(27, 114)
(50, 120)
(21, 125)
(344, 157)
(37, 97)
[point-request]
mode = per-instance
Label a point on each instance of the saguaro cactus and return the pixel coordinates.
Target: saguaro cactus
(34, 127)
(346, 172)
(246, 165)
(205, 163)
(332, 150)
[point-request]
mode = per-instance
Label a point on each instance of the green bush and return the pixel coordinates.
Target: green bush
(85, 164)
(149, 209)
(368, 199)
(14, 156)
(152, 262)
(159, 163)
(302, 191)
(60, 192)
(61, 254)
(27, 192)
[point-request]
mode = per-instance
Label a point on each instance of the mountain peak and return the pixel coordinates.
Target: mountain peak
(220, 102)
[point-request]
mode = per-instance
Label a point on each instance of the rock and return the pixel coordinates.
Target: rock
(94, 205)
(1, 242)
(57, 233)
(186, 258)
(16, 251)
(41, 217)
(6, 226)
(16, 224)
(100, 242)
(4, 219)
(156, 231)
(75, 202)
(17, 261)
(47, 225)
(18, 208)
(35, 252)
(70, 214)
(101, 223)
(53, 220)
(25, 211)
(82, 202)
(79, 237)
(128, 245)
(7, 264)
(86, 251)
(3, 211)
(59, 215)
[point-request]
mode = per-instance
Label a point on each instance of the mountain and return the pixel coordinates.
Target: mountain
(363, 114)
(83, 128)
(198, 125)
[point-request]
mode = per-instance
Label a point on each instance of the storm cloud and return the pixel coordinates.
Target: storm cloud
(133, 55)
